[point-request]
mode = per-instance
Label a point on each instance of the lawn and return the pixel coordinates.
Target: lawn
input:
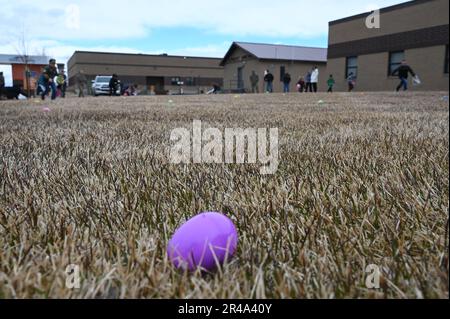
(363, 179)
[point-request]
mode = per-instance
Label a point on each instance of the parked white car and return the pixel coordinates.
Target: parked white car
(100, 86)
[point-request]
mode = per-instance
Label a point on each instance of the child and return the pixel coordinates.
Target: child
(62, 85)
(330, 83)
(351, 82)
(215, 89)
(301, 85)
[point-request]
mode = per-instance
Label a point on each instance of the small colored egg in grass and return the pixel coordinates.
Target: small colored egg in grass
(205, 241)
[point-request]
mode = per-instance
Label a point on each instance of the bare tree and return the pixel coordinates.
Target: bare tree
(42, 52)
(23, 52)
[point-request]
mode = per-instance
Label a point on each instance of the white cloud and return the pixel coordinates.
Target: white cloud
(109, 19)
(62, 52)
(372, 7)
(212, 50)
(54, 25)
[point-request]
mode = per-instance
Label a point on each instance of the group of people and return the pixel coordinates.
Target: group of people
(55, 81)
(52, 79)
(115, 88)
(309, 82)
(304, 84)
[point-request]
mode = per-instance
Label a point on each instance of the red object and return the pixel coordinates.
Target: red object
(18, 74)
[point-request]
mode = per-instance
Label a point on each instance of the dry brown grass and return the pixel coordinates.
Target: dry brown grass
(363, 179)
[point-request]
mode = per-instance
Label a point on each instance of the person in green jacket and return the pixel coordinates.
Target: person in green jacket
(331, 82)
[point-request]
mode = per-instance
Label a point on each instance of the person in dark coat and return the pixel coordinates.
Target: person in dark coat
(403, 71)
(308, 82)
(46, 80)
(113, 85)
(286, 82)
(2, 84)
(268, 78)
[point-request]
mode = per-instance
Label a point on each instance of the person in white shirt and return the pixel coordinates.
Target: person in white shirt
(315, 78)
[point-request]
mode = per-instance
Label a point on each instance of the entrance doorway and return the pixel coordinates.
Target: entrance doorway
(155, 85)
(240, 78)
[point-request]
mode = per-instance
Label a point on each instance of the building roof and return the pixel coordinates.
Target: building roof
(279, 52)
(16, 59)
(383, 10)
(164, 55)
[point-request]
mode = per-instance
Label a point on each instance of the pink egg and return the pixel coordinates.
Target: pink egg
(46, 109)
(203, 241)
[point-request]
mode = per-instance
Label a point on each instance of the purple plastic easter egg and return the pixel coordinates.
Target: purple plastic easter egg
(203, 241)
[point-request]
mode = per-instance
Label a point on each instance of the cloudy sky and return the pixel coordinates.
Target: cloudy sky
(194, 27)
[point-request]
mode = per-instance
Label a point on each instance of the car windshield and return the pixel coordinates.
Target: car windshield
(103, 79)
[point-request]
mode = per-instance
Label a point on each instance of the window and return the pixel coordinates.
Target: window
(446, 60)
(352, 66)
(175, 81)
(395, 60)
(282, 72)
(189, 81)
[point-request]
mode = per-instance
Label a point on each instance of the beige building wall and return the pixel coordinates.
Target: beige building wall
(249, 64)
(424, 43)
(428, 63)
(426, 14)
(144, 70)
(136, 68)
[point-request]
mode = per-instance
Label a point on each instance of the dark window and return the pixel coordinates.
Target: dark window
(175, 81)
(446, 60)
(395, 60)
(352, 66)
(282, 72)
(189, 81)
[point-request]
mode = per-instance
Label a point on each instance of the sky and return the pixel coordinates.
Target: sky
(187, 28)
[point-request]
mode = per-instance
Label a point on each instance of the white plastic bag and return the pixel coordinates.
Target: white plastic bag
(417, 81)
(21, 97)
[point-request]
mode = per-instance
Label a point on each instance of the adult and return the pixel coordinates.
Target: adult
(46, 80)
(286, 82)
(254, 80)
(403, 71)
(2, 84)
(113, 85)
(268, 78)
(314, 79)
(81, 82)
(308, 82)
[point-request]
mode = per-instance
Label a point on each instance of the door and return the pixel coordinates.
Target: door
(155, 85)
(240, 78)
